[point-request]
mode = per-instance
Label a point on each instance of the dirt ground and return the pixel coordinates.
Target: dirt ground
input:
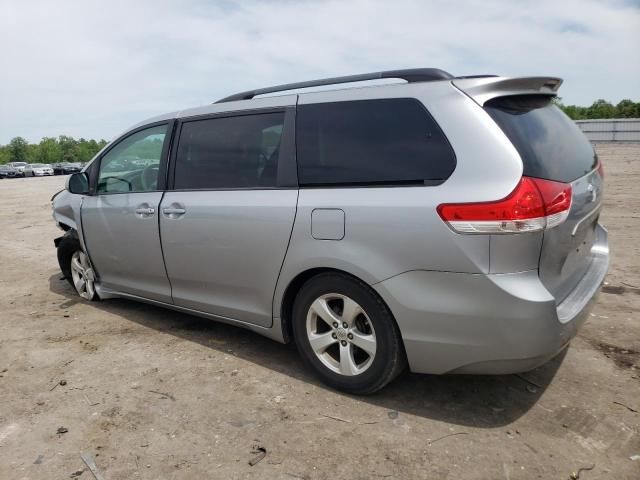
(151, 393)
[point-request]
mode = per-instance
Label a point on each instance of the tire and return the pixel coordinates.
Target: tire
(337, 356)
(69, 249)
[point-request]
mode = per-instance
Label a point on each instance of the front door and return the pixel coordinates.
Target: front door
(120, 218)
(225, 224)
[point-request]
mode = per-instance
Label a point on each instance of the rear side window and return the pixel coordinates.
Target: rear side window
(371, 142)
(550, 144)
(229, 152)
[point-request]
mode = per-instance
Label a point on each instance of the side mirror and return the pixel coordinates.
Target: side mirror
(78, 183)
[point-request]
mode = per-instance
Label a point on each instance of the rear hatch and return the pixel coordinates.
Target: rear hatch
(552, 147)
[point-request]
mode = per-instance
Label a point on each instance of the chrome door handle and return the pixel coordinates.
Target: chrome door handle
(174, 211)
(145, 211)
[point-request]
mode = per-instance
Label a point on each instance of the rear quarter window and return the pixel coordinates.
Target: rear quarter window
(550, 144)
(371, 142)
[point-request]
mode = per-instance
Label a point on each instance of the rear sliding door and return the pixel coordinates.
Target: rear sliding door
(225, 223)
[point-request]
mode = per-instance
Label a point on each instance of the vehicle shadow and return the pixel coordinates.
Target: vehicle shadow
(483, 401)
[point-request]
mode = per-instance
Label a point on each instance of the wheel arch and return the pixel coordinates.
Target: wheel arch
(65, 223)
(285, 305)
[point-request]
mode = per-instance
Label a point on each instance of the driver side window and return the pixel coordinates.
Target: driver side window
(133, 164)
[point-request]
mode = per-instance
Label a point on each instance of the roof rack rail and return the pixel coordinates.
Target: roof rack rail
(411, 75)
(490, 75)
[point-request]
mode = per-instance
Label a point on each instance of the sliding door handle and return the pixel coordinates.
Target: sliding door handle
(174, 211)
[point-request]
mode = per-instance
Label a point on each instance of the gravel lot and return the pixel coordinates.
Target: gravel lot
(151, 393)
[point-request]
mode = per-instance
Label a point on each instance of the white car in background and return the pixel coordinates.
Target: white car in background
(19, 166)
(37, 170)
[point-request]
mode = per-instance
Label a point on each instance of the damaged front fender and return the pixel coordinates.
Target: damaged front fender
(66, 210)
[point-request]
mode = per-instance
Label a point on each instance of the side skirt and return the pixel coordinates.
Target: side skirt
(274, 332)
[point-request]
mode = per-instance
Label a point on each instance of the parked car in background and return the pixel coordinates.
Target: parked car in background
(7, 171)
(448, 223)
(19, 166)
(37, 170)
(66, 168)
(73, 167)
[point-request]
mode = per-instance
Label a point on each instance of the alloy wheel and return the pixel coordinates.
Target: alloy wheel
(82, 275)
(341, 334)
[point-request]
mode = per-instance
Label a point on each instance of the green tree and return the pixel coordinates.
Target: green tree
(68, 148)
(18, 149)
(32, 153)
(5, 156)
(49, 151)
(628, 109)
(602, 109)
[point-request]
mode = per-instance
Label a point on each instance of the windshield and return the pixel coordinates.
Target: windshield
(37, 165)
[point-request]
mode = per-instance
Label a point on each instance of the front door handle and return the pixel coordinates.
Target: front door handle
(145, 211)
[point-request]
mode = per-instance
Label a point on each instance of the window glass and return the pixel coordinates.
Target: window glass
(371, 142)
(133, 164)
(550, 144)
(229, 152)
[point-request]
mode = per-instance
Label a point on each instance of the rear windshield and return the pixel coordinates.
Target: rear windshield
(550, 143)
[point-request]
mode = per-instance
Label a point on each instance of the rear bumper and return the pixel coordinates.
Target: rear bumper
(489, 324)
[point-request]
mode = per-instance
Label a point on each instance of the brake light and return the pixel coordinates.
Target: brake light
(600, 169)
(534, 205)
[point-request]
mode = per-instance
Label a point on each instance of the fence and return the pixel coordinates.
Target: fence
(611, 130)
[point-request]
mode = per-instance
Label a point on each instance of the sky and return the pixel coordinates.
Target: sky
(93, 68)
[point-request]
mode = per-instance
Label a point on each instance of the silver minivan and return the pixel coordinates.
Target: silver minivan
(445, 223)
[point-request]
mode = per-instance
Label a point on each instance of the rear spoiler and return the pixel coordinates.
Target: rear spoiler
(484, 89)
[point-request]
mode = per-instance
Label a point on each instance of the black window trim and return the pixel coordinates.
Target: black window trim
(287, 170)
(94, 168)
(384, 183)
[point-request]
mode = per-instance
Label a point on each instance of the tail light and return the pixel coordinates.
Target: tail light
(600, 169)
(534, 205)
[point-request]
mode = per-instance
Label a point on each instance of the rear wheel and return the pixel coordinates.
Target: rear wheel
(76, 267)
(347, 334)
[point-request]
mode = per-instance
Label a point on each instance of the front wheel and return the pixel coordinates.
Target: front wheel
(347, 334)
(76, 267)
